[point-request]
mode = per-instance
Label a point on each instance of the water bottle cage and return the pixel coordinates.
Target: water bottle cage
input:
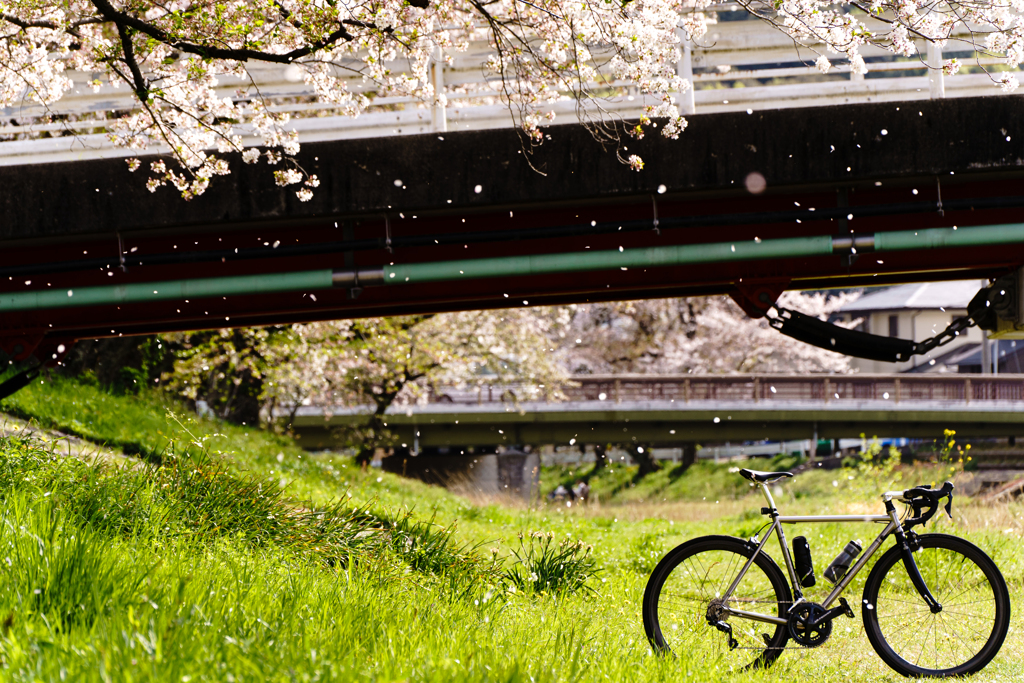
(924, 500)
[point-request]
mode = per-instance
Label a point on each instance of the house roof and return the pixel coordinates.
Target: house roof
(954, 294)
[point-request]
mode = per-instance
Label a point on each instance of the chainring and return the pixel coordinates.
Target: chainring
(800, 629)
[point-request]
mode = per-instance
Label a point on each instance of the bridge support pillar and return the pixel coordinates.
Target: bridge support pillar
(689, 453)
(643, 457)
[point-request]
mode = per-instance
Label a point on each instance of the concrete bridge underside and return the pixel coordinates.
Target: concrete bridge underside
(868, 168)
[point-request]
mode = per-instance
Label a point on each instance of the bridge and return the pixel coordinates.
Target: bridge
(676, 411)
(739, 65)
(901, 184)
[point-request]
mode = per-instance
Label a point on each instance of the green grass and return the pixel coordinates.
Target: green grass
(210, 569)
(139, 425)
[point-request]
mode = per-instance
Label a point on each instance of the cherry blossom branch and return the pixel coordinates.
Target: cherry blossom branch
(128, 50)
(46, 24)
(212, 52)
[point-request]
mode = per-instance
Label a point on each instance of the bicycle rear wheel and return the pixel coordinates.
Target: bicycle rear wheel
(959, 640)
(687, 587)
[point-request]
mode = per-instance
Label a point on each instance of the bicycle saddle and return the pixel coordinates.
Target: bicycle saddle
(763, 477)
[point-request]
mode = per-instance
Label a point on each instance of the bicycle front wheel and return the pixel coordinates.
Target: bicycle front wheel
(685, 597)
(959, 640)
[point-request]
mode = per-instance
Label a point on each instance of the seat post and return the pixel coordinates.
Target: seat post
(767, 495)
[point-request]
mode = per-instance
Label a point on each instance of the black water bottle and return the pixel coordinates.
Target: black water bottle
(802, 560)
(841, 564)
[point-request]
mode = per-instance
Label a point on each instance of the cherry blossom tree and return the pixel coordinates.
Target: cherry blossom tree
(377, 364)
(230, 369)
(171, 55)
(696, 335)
(370, 364)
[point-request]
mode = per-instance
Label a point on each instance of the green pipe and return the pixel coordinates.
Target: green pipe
(145, 292)
(652, 257)
(938, 238)
(721, 252)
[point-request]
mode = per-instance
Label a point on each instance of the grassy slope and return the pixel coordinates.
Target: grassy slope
(177, 606)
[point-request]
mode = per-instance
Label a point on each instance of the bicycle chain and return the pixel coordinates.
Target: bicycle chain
(765, 648)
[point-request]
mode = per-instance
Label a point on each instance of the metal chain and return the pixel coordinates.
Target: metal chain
(946, 336)
(920, 348)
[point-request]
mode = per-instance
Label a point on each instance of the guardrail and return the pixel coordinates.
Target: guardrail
(767, 389)
(738, 65)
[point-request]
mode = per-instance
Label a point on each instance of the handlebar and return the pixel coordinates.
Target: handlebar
(925, 501)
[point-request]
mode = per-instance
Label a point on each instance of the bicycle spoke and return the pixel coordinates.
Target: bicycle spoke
(947, 640)
(687, 598)
(922, 647)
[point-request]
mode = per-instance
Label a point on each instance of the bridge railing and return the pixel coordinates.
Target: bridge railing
(738, 65)
(766, 389)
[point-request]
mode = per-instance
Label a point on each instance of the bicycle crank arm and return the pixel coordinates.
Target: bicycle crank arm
(844, 608)
(915, 574)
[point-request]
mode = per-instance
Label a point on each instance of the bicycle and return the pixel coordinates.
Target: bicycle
(944, 612)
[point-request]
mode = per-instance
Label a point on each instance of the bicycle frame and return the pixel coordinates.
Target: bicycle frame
(891, 520)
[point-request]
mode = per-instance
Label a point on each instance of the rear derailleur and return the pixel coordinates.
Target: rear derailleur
(810, 624)
(716, 616)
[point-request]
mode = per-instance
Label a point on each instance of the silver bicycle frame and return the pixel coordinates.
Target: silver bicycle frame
(891, 521)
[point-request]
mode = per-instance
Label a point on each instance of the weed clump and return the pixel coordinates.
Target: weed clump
(542, 566)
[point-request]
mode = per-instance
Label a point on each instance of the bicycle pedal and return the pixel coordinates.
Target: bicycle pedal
(846, 607)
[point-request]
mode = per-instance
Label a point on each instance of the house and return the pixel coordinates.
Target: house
(919, 311)
(967, 357)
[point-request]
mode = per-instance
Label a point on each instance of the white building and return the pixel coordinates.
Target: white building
(917, 312)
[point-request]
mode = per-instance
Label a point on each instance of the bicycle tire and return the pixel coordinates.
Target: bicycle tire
(972, 592)
(692, 572)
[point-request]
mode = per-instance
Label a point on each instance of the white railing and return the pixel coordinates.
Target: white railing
(738, 65)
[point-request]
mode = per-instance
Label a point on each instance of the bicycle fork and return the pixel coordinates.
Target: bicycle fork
(908, 561)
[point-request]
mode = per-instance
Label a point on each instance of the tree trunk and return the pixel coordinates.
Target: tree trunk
(372, 438)
(600, 456)
(365, 456)
(644, 459)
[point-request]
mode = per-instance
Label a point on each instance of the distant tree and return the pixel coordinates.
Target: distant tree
(228, 369)
(381, 362)
(695, 335)
(372, 363)
(375, 364)
(120, 364)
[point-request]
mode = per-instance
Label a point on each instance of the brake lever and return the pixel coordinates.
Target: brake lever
(925, 496)
(947, 490)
